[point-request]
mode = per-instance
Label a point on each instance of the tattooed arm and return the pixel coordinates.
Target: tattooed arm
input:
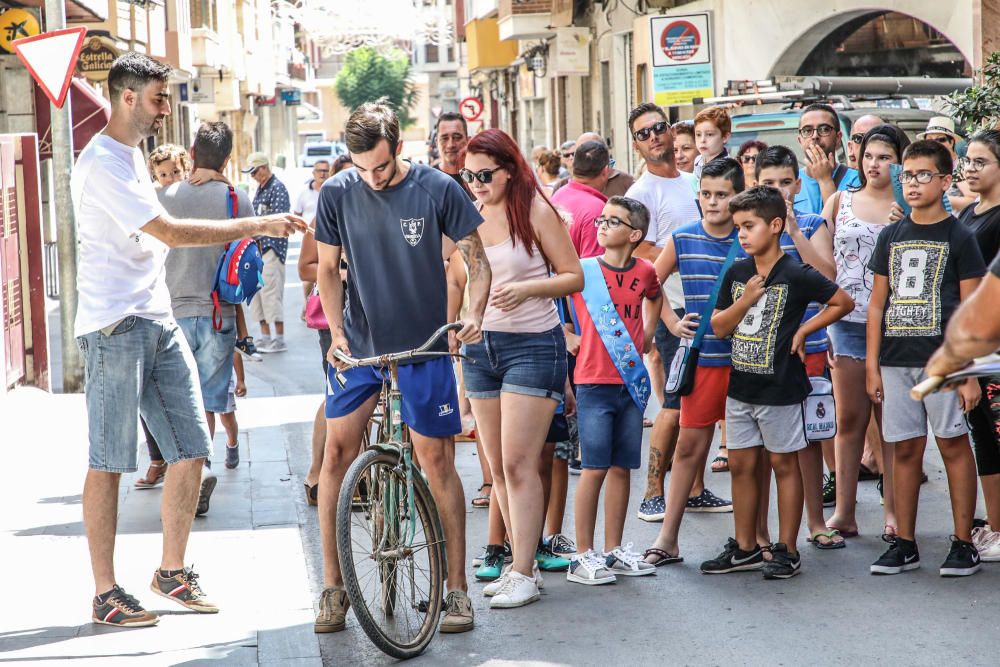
(480, 278)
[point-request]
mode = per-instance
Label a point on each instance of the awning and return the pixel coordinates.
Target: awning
(91, 113)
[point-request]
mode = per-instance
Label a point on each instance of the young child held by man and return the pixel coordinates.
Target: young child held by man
(617, 311)
(761, 305)
(924, 265)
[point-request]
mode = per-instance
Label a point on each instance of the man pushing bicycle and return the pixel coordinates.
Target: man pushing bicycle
(391, 219)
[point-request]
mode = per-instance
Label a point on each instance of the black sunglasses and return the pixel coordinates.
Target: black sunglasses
(612, 222)
(568, 155)
(657, 129)
(857, 138)
(484, 176)
(748, 158)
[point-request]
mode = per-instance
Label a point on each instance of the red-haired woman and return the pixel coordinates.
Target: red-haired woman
(519, 371)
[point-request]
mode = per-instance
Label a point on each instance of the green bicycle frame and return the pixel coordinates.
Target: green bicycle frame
(397, 440)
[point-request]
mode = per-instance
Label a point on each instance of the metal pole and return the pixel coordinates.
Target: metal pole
(62, 167)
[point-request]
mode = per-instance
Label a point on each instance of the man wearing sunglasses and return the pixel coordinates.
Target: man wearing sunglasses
(819, 137)
(618, 182)
(268, 306)
(566, 152)
(670, 196)
(858, 131)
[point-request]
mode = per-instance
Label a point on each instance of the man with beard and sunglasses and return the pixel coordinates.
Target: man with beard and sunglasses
(395, 221)
(136, 358)
(670, 196)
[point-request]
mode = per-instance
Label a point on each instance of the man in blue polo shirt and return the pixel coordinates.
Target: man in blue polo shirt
(820, 136)
(389, 218)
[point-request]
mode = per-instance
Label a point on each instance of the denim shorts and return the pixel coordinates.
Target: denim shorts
(667, 344)
(213, 355)
(610, 427)
(144, 367)
(533, 364)
(849, 339)
(430, 395)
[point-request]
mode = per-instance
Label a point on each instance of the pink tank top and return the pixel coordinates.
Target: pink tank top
(511, 263)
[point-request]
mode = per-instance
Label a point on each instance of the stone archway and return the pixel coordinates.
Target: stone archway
(805, 54)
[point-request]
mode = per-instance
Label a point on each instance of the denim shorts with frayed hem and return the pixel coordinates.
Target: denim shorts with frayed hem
(531, 364)
(848, 339)
(143, 367)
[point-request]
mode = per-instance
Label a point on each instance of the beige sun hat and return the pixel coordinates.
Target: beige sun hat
(941, 125)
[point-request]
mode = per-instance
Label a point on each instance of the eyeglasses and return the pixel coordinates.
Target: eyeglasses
(977, 164)
(611, 222)
(748, 158)
(922, 177)
(857, 138)
(822, 130)
(484, 176)
(657, 129)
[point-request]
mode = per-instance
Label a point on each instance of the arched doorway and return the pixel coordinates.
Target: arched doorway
(873, 43)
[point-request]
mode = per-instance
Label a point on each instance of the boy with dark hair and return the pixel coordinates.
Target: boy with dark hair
(617, 311)
(761, 305)
(924, 266)
(807, 239)
(699, 252)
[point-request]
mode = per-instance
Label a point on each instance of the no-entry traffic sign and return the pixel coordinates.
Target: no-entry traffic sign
(50, 58)
(680, 40)
(471, 108)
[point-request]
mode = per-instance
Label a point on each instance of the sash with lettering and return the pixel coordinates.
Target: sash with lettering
(613, 333)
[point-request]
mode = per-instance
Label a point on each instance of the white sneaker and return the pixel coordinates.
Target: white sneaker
(278, 345)
(264, 346)
(624, 561)
(980, 535)
(491, 589)
(589, 569)
(989, 547)
(517, 591)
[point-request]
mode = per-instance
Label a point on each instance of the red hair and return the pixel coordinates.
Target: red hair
(521, 188)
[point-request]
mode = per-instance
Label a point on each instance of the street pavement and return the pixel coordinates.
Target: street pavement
(258, 554)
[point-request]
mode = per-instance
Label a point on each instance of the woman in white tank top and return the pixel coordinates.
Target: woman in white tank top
(518, 372)
(859, 216)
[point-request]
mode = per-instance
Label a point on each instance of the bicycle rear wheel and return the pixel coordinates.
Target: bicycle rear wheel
(394, 583)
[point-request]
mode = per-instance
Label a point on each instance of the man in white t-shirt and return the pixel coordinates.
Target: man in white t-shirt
(671, 197)
(137, 360)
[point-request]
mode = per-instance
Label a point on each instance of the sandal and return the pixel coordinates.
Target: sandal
(482, 501)
(153, 476)
(312, 494)
(662, 557)
(830, 535)
(889, 533)
(720, 464)
(767, 552)
(647, 423)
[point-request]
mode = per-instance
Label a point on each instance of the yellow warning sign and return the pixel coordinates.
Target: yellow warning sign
(16, 24)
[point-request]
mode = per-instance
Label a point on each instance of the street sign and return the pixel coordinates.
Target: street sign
(50, 59)
(682, 58)
(471, 108)
(16, 23)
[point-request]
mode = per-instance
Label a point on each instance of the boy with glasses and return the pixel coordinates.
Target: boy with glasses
(924, 266)
(819, 137)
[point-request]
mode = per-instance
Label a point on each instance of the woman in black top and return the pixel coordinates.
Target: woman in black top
(982, 174)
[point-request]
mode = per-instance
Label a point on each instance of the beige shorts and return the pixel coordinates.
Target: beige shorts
(268, 305)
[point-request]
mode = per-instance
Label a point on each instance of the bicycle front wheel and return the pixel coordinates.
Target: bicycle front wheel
(392, 558)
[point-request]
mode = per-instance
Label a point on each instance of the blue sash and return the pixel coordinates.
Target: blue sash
(613, 333)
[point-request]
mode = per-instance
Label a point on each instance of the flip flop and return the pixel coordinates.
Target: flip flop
(829, 534)
(647, 423)
(662, 557)
(722, 468)
(866, 474)
(845, 533)
(482, 501)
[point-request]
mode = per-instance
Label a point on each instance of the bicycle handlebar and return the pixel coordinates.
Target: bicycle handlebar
(386, 359)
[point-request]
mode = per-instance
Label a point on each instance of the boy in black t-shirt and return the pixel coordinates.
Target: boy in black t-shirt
(761, 304)
(924, 266)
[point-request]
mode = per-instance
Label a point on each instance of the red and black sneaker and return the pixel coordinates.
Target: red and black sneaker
(121, 609)
(182, 587)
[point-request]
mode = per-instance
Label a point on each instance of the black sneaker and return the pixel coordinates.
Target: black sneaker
(901, 556)
(830, 490)
(246, 347)
(122, 610)
(783, 564)
(734, 559)
(963, 560)
(208, 482)
(707, 501)
(232, 456)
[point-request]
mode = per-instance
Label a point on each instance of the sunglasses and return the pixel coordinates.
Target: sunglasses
(944, 140)
(611, 222)
(484, 176)
(657, 129)
(857, 138)
(748, 158)
(568, 155)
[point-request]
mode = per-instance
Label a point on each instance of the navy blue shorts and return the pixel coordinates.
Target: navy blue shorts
(666, 345)
(533, 364)
(430, 395)
(610, 426)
